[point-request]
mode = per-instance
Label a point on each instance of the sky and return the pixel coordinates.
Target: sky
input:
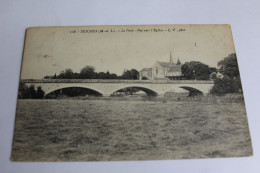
(49, 50)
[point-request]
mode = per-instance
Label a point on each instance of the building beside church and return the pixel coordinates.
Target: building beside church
(162, 70)
(145, 74)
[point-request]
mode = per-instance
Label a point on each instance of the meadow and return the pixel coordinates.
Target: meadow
(129, 129)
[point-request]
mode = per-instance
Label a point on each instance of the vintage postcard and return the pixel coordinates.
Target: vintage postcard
(114, 93)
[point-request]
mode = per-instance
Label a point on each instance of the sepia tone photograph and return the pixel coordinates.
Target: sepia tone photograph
(115, 93)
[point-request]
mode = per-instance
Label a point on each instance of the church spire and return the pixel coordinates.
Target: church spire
(171, 57)
(178, 62)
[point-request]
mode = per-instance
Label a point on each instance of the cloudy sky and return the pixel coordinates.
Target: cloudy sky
(115, 48)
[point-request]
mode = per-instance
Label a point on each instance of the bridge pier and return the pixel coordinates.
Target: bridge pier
(158, 95)
(106, 95)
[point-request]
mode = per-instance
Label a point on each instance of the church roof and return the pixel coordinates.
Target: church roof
(166, 64)
(175, 68)
(146, 69)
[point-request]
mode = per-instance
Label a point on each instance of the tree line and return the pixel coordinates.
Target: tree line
(193, 70)
(30, 92)
(228, 81)
(88, 72)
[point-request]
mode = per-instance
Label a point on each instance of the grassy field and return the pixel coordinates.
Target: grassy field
(133, 129)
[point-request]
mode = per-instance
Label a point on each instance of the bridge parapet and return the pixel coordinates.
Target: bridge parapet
(117, 81)
(107, 87)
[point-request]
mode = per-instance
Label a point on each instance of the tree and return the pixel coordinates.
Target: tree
(88, 72)
(127, 74)
(226, 85)
(212, 69)
(107, 76)
(61, 75)
(32, 92)
(213, 76)
(113, 76)
(230, 83)
(195, 70)
(134, 74)
(23, 92)
(101, 75)
(40, 93)
(68, 74)
(130, 74)
(76, 76)
(229, 66)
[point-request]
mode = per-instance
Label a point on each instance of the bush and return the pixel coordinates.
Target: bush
(226, 85)
(30, 92)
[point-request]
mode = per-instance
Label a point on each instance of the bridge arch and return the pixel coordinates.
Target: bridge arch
(67, 87)
(192, 90)
(147, 90)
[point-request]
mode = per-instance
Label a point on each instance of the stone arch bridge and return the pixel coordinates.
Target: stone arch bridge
(109, 86)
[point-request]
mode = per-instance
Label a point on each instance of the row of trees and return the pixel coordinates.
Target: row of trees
(30, 92)
(88, 72)
(193, 70)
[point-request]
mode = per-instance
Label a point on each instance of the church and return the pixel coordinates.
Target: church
(162, 70)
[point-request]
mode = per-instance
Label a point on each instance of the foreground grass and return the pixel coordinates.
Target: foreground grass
(89, 130)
